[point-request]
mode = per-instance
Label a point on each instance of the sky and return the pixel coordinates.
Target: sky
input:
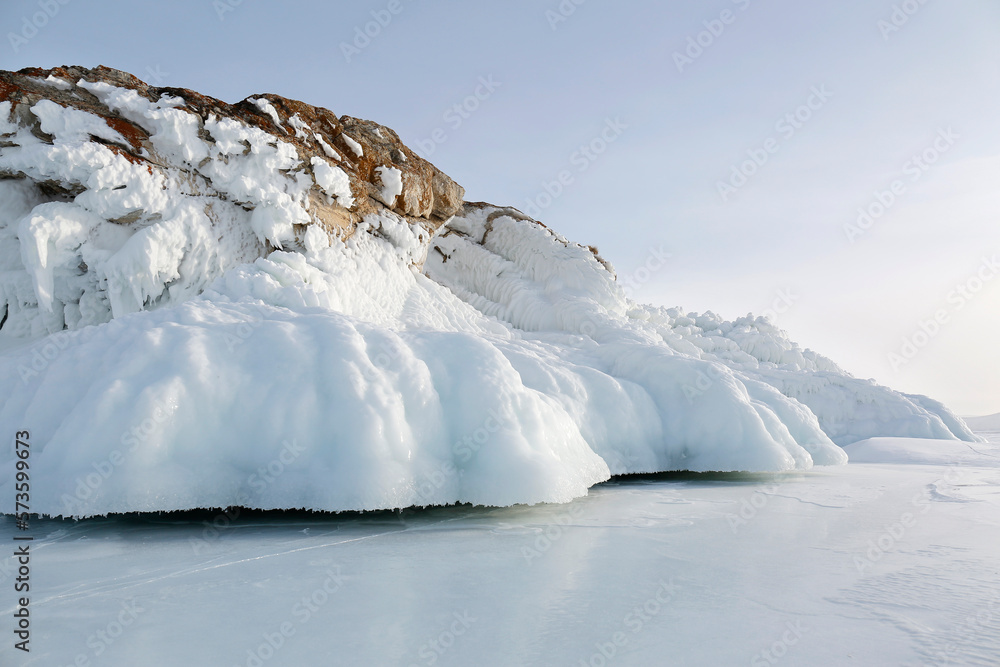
(834, 165)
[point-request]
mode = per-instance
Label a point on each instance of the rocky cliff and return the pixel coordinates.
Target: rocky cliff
(268, 305)
(214, 161)
(383, 173)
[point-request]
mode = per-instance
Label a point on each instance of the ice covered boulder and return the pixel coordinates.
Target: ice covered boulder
(267, 305)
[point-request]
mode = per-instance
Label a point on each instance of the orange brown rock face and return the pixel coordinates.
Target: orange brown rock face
(428, 197)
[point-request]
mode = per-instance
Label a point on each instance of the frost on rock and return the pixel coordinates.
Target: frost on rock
(327, 148)
(392, 184)
(334, 181)
(266, 107)
(190, 292)
(353, 145)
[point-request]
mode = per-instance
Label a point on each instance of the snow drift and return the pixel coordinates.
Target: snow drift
(265, 305)
(920, 451)
(984, 423)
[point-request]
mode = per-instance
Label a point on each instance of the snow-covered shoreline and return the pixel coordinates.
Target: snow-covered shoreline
(886, 563)
(219, 321)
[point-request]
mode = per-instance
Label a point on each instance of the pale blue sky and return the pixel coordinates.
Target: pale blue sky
(656, 184)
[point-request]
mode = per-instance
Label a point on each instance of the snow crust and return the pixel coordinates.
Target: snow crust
(392, 184)
(301, 128)
(163, 359)
(894, 564)
(353, 145)
(923, 452)
(269, 109)
(328, 150)
(57, 82)
(989, 423)
(334, 181)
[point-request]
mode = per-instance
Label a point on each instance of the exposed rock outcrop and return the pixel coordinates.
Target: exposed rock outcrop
(269, 272)
(193, 182)
(383, 172)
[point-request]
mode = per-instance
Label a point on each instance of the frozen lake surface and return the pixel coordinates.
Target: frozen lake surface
(865, 564)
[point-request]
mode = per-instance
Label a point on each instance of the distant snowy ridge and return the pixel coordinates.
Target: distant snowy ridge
(921, 451)
(209, 305)
(986, 423)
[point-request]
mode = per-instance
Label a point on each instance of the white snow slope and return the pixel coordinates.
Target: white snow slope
(985, 423)
(159, 362)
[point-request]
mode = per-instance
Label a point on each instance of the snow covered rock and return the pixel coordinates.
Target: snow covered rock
(265, 304)
(177, 187)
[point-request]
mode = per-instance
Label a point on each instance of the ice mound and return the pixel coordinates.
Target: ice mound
(265, 305)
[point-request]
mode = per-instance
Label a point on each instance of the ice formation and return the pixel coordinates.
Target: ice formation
(207, 305)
